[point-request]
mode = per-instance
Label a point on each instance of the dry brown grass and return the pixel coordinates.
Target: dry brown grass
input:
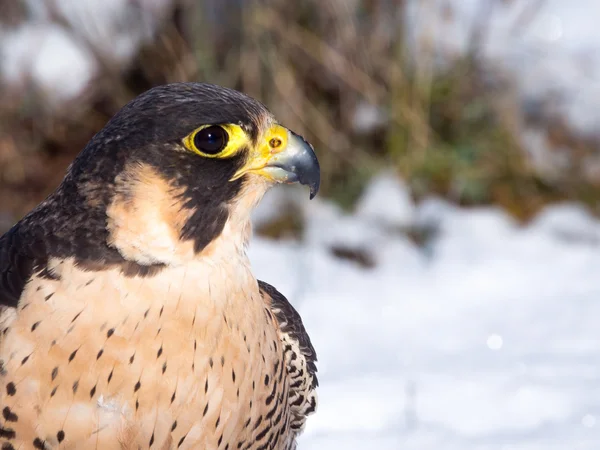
(454, 132)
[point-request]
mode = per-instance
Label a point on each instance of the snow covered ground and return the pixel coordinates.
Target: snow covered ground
(488, 337)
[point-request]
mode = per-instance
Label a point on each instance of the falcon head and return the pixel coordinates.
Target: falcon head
(172, 175)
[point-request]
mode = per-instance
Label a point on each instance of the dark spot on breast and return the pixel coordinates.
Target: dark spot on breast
(164, 367)
(72, 355)
(205, 410)
(173, 426)
(210, 362)
(151, 440)
(132, 358)
(110, 375)
(218, 421)
(48, 297)
(173, 396)
(137, 404)
(38, 443)
(110, 332)
(75, 386)
(60, 436)
(7, 446)
(272, 395)
(93, 391)
(35, 325)
(275, 407)
(258, 422)
(278, 418)
(24, 360)
(11, 389)
(266, 380)
(233, 375)
(53, 391)
(76, 316)
(7, 433)
(181, 441)
(263, 433)
(8, 415)
(276, 440)
(160, 350)
(99, 354)
(220, 440)
(137, 386)
(206, 386)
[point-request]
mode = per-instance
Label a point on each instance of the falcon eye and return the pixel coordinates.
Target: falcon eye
(216, 141)
(211, 140)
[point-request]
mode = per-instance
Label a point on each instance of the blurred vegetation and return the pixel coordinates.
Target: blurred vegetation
(342, 73)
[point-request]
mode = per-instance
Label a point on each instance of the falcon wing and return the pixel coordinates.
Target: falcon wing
(300, 356)
(16, 266)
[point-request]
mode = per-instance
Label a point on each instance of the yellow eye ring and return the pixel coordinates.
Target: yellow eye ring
(216, 141)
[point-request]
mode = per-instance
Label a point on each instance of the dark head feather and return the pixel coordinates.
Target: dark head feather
(148, 130)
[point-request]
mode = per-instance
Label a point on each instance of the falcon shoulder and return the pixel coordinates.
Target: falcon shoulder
(17, 263)
(300, 356)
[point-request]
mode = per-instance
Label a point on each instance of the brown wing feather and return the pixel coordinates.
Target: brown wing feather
(16, 266)
(300, 356)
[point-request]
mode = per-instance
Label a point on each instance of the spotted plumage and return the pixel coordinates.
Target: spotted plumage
(130, 317)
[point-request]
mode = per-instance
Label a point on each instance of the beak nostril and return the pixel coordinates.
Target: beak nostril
(275, 142)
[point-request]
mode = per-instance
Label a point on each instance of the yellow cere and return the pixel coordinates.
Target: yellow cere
(273, 141)
(237, 140)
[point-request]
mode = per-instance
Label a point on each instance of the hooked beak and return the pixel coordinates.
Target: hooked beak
(285, 157)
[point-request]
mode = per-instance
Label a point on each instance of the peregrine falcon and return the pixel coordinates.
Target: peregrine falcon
(130, 316)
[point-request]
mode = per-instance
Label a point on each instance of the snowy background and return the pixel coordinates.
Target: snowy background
(454, 328)
(485, 337)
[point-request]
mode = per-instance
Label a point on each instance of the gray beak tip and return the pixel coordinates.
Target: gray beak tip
(308, 170)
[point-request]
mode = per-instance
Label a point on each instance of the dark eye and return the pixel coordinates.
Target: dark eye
(211, 140)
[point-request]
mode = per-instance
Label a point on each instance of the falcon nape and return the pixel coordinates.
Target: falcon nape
(130, 316)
